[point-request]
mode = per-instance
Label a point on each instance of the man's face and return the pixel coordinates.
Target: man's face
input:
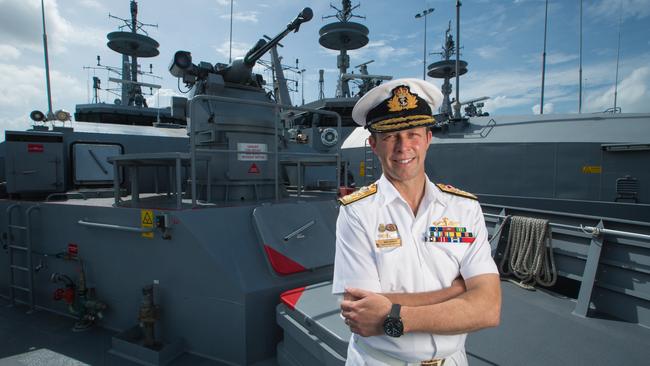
(402, 153)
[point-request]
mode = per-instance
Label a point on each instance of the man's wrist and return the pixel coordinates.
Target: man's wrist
(405, 314)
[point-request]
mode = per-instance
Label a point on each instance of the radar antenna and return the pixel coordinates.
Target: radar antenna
(132, 44)
(343, 36)
(446, 69)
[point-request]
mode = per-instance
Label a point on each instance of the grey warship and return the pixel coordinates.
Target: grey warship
(214, 244)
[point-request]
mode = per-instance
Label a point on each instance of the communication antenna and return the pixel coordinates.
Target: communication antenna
(50, 115)
(541, 104)
(321, 83)
(580, 69)
(36, 115)
(618, 55)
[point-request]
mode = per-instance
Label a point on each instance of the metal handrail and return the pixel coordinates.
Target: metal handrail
(590, 230)
(276, 107)
(115, 227)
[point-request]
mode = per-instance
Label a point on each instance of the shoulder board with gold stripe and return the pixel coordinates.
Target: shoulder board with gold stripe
(455, 191)
(363, 192)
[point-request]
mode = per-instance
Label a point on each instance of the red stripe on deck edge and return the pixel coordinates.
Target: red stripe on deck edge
(290, 298)
(281, 263)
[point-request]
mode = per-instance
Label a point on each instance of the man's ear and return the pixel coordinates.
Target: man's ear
(372, 142)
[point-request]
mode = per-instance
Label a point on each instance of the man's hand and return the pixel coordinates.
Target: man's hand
(365, 311)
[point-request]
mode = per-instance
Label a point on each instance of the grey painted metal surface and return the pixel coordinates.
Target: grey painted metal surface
(536, 327)
(527, 160)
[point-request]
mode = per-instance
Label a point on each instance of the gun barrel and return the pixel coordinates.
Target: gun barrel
(259, 50)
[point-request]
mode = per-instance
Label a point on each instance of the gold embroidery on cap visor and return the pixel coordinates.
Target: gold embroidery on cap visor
(401, 123)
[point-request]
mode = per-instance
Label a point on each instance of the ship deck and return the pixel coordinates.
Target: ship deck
(537, 328)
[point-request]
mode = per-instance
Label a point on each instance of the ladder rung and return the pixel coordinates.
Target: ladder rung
(20, 268)
(21, 288)
(18, 227)
(17, 247)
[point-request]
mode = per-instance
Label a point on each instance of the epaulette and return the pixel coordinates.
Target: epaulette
(363, 192)
(455, 191)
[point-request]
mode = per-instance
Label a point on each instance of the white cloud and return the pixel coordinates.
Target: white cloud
(548, 108)
(609, 10)
(162, 97)
(633, 93)
(489, 52)
(23, 88)
(20, 25)
(93, 4)
(239, 49)
(559, 57)
(502, 101)
(242, 17)
(9, 52)
(14, 123)
(553, 58)
(379, 50)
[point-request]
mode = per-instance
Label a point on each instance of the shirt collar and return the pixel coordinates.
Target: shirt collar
(389, 193)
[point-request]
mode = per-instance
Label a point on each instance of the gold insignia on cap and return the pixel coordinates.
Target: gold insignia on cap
(402, 100)
(455, 191)
(363, 192)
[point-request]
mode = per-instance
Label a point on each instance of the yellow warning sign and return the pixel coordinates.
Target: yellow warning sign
(146, 221)
(592, 169)
(362, 169)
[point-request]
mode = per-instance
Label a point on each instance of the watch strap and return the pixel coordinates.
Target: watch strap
(394, 311)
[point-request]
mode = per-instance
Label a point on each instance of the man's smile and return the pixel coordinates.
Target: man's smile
(404, 161)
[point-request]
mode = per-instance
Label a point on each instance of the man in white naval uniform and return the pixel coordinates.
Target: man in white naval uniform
(412, 258)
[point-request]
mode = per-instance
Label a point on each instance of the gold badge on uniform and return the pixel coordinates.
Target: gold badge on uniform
(448, 231)
(388, 236)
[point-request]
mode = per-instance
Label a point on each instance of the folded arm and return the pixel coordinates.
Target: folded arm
(478, 307)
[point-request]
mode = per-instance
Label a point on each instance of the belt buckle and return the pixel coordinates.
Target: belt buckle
(434, 362)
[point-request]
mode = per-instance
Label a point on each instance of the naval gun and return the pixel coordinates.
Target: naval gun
(232, 124)
(240, 70)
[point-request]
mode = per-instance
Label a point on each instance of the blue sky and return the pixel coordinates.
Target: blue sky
(502, 42)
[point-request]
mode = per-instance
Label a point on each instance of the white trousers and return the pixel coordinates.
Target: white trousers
(360, 355)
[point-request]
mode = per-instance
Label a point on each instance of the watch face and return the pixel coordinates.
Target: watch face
(393, 327)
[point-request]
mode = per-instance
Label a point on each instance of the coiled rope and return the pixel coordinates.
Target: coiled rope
(529, 252)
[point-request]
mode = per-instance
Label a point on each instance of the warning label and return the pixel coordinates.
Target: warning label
(249, 150)
(253, 169)
(146, 222)
(592, 169)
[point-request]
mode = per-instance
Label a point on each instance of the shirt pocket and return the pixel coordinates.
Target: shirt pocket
(393, 268)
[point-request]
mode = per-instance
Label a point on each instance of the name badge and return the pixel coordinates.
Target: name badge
(388, 236)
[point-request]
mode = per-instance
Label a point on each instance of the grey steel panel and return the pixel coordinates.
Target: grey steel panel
(300, 347)
(303, 233)
(91, 164)
(34, 167)
(247, 165)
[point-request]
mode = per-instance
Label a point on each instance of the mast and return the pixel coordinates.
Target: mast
(50, 115)
(230, 51)
(618, 54)
(580, 69)
(457, 104)
(541, 105)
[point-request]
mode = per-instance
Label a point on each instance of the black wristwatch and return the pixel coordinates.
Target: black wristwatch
(393, 326)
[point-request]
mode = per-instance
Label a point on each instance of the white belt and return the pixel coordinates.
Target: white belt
(392, 361)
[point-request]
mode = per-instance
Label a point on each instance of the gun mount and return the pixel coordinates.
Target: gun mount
(240, 71)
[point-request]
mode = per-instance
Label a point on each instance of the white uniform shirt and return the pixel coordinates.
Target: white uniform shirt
(367, 258)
